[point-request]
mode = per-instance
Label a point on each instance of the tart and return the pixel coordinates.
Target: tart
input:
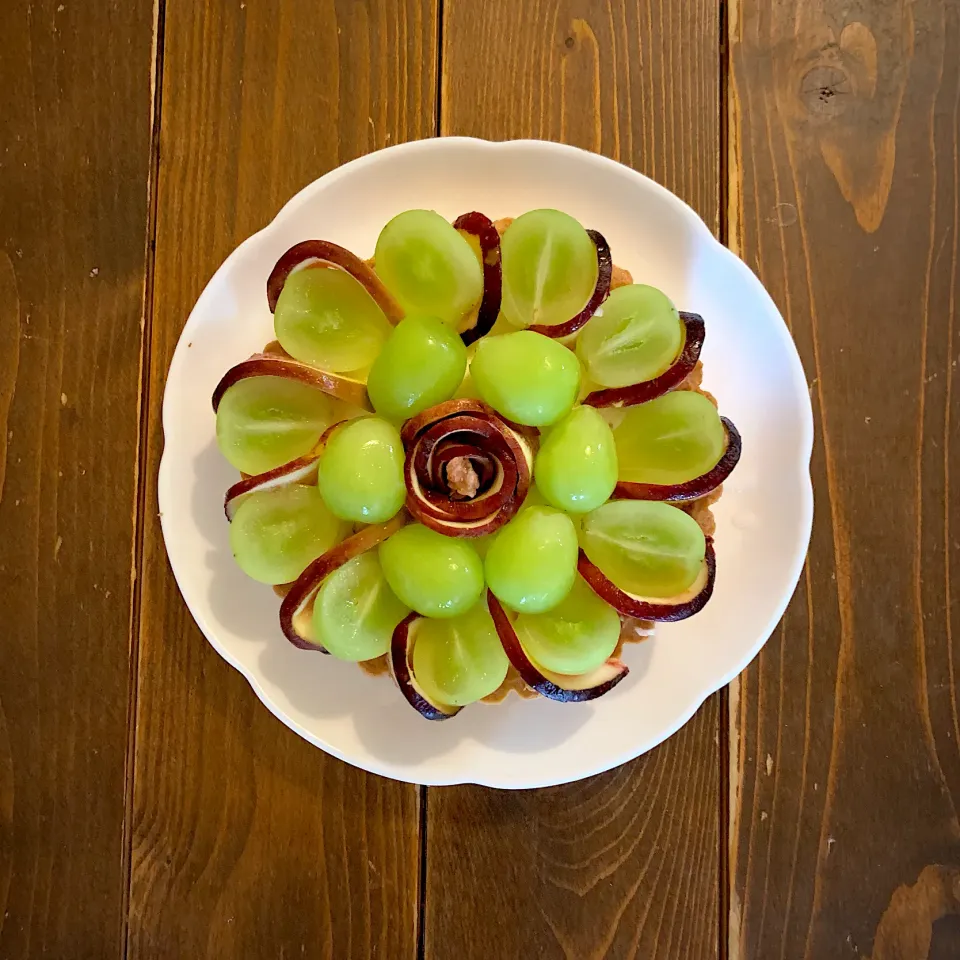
(480, 460)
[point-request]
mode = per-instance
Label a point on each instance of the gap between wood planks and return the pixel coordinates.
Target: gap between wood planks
(141, 478)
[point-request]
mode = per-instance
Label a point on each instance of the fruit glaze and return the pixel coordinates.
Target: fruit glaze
(481, 457)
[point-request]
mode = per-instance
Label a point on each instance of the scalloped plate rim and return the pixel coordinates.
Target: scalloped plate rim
(690, 707)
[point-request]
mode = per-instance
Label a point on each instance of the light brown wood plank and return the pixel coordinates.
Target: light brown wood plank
(636, 81)
(626, 864)
(845, 134)
(248, 842)
(621, 865)
(75, 124)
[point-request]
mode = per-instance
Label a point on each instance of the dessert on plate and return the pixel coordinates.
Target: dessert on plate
(481, 459)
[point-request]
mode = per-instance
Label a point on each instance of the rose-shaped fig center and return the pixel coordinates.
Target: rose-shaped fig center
(467, 469)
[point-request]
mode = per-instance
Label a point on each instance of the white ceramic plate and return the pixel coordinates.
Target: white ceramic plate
(763, 518)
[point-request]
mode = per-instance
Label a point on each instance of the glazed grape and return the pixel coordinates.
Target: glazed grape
(634, 336)
(356, 611)
(549, 268)
(532, 562)
(326, 317)
(459, 660)
(526, 376)
(669, 440)
(647, 548)
(361, 471)
(275, 534)
(576, 468)
(428, 266)
(264, 422)
(435, 575)
(577, 635)
(421, 364)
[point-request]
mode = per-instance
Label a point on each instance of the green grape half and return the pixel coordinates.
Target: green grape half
(647, 548)
(325, 317)
(435, 575)
(361, 471)
(577, 635)
(421, 364)
(549, 268)
(634, 336)
(459, 660)
(264, 422)
(526, 376)
(428, 266)
(672, 439)
(275, 534)
(576, 468)
(355, 612)
(532, 562)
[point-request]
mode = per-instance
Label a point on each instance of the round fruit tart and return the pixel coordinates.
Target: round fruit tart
(481, 459)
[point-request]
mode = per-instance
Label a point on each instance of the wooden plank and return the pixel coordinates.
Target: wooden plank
(621, 865)
(845, 134)
(637, 81)
(625, 864)
(74, 159)
(247, 841)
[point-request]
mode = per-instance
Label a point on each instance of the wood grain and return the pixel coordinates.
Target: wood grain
(845, 136)
(74, 160)
(247, 841)
(637, 81)
(626, 864)
(621, 865)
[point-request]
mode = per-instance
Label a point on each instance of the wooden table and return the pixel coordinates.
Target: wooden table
(151, 807)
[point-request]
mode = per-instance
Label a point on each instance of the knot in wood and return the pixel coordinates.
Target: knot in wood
(825, 91)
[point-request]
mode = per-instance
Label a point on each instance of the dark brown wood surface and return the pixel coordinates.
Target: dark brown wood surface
(844, 142)
(151, 807)
(74, 161)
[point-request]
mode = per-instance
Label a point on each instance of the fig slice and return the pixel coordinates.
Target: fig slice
(401, 664)
(691, 489)
(660, 609)
(601, 291)
(277, 365)
(467, 470)
(296, 611)
(299, 472)
(310, 251)
(555, 686)
(673, 376)
(481, 227)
